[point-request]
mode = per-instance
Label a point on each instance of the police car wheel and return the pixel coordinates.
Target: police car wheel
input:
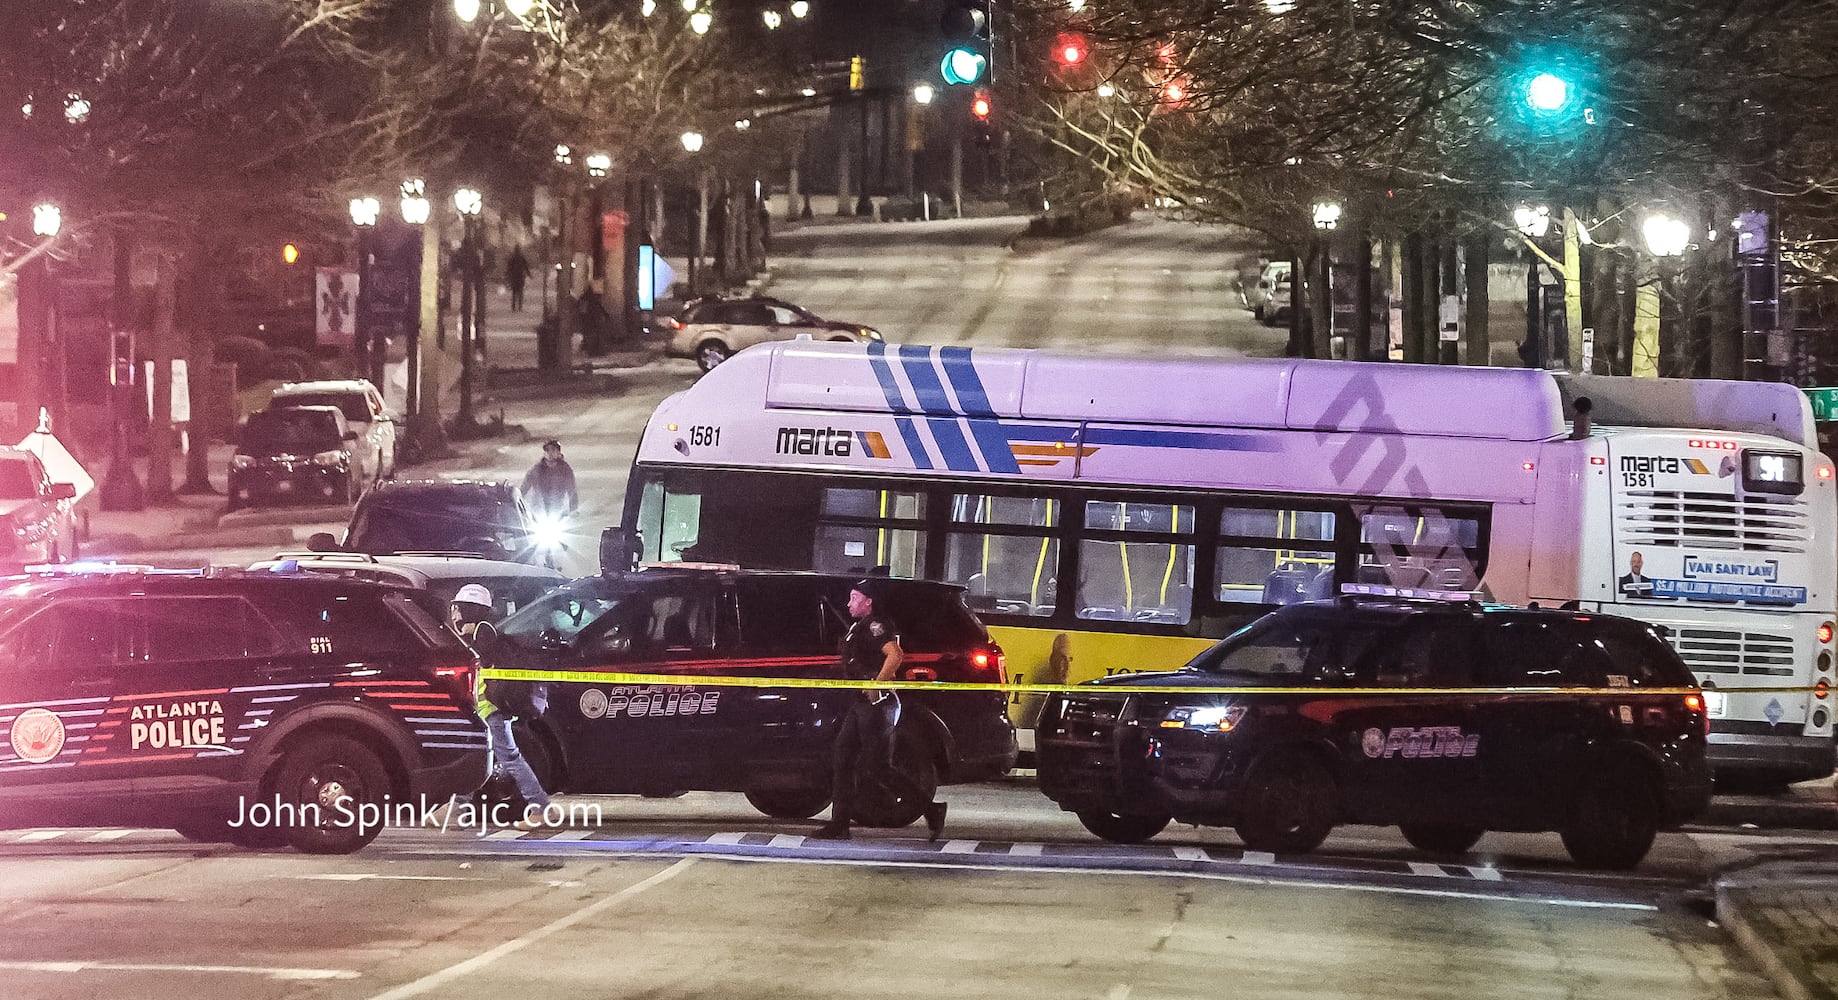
(1123, 829)
(789, 803)
(1614, 820)
(338, 776)
(1440, 838)
(878, 806)
(1289, 805)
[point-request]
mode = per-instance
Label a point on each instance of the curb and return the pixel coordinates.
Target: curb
(1777, 968)
(278, 535)
(1769, 814)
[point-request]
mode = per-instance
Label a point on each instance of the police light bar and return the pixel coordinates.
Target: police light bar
(88, 568)
(1380, 590)
(690, 565)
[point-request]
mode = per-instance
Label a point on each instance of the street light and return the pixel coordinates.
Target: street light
(1665, 236)
(1327, 215)
(76, 109)
(800, 9)
(1533, 220)
(692, 142)
(743, 124)
(415, 205)
(467, 201)
(599, 165)
(47, 220)
(1279, 6)
(701, 21)
(647, 8)
(519, 8)
(1106, 91)
(923, 93)
(1547, 93)
(466, 10)
(365, 212)
(689, 6)
(773, 19)
(564, 155)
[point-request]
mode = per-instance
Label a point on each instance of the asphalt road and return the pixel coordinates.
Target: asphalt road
(699, 896)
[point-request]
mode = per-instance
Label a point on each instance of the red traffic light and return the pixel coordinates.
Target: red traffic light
(979, 106)
(1071, 49)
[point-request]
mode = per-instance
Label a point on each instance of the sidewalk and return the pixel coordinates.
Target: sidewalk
(1809, 805)
(1784, 915)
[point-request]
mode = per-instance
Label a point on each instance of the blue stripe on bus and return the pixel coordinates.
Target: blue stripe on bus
(915, 445)
(883, 372)
(1179, 439)
(952, 444)
(964, 379)
(919, 371)
(994, 443)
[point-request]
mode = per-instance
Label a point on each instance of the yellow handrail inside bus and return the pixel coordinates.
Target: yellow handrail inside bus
(1129, 587)
(1168, 574)
(1040, 563)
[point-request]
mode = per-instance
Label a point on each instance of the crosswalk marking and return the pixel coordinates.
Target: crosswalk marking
(568, 835)
(506, 835)
(1190, 853)
(1486, 873)
(1025, 850)
(958, 847)
(1257, 858)
(105, 835)
(39, 835)
(728, 839)
(1426, 868)
(787, 840)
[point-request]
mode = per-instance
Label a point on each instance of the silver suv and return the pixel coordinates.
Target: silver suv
(374, 451)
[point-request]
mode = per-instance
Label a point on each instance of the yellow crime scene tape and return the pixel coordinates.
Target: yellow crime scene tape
(839, 684)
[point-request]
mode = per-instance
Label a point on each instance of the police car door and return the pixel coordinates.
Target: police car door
(654, 738)
(197, 671)
(56, 679)
(1535, 744)
(1415, 757)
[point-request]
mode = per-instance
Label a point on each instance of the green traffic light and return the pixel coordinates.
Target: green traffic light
(1548, 94)
(962, 66)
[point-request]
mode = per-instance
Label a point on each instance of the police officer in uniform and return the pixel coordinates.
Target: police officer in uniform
(865, 743)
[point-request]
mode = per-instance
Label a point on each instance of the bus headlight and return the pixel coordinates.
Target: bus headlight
(1207, 719)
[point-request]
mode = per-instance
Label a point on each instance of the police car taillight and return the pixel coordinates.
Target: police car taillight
(1694, 704)
(989, 660)
(461, 681)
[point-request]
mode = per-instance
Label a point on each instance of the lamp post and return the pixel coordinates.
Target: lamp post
(1533, 222)
(366, 212)
(417, 209)
(698, 233)
(1326, 214)
(1667, 237)
(469, 203)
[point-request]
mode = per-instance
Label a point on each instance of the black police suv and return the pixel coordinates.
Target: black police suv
(257, 709)
(425, 515)
(771, 743)
(1606, 770)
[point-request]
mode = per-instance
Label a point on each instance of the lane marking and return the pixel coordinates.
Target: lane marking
(105, 835)
(1209, 876)
(727, 839)
(570, 835)
(1257, 858)
(1425, 868)
(958, 847)
(435, 980)
(786, 840)
(1025, 850)
(1486, 873)
(379, 877)
(37, 836)
(1187, 852)
(239, 970)
(506, 835)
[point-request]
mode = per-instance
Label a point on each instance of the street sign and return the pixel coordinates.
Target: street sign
(1824, 402)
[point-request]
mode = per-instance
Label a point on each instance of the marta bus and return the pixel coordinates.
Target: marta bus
(1118, 514)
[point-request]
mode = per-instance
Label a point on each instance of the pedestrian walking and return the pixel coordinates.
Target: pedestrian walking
(865, 742)
(516, 272)
(500, 704)
(548, 488)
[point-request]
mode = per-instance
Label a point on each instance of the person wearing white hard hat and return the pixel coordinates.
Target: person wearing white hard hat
(497, 702)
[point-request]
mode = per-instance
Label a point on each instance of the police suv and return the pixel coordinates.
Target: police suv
(1607, 765)
(258, 709)
(773, 743)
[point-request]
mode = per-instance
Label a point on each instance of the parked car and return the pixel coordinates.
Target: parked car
(710, 330)
(1265, 296)
(1607, 764)
(362, 406)
(257, 709)
(513, 585)
(39, 512)
(773, 744)
(442, 515)
(297, 454)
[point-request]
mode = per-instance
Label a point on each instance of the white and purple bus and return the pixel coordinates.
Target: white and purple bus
(1116, 514)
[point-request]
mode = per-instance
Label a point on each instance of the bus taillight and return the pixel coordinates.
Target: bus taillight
(1822, 690)
(1825, 632)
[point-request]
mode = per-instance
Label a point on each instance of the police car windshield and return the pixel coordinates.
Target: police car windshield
(1291, 646)
(558, 618)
